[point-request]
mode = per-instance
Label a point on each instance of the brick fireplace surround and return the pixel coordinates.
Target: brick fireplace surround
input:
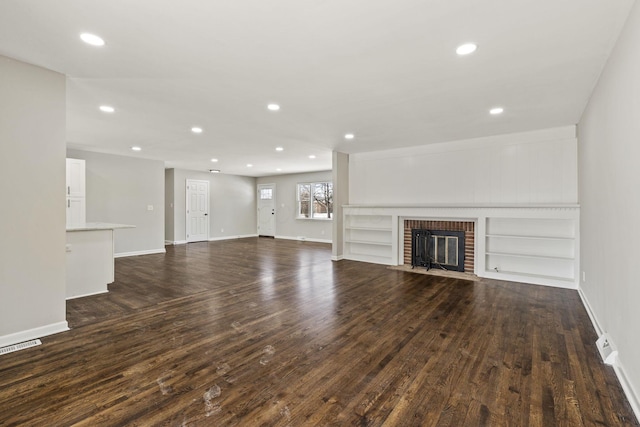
(466, 226)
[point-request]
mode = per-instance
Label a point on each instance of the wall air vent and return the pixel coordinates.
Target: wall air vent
(21, 346)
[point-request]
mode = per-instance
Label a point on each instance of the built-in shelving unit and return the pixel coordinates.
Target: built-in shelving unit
(522, 243)
(369, 238)
(539, 248)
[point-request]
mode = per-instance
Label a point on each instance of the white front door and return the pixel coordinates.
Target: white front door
(197, 210)
(267, 210)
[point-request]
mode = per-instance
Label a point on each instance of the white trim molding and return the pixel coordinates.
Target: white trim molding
(618, 367)
(243, 236)
(337, 258)
(136, 253)
(87, 295)
(34, 333)
(176, 242)
(304, 239)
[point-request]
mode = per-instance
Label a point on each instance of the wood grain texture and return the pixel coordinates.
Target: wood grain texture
(264, 332)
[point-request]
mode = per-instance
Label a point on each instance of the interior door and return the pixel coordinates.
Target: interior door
(197, 210)
(267, 210)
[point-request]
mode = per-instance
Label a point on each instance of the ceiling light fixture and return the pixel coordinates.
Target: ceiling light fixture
(214, 170)
(496, 110)
(214, 160)
(92, 39)
(312, 156)
(136, 148)
(107, 109)
(466, 49)
(273, 107)
(196, 129)
(278, 170)
(279, 149)
(349, 136)
(249, 165)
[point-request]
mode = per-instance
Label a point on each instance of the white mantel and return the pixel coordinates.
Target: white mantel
(525, 243)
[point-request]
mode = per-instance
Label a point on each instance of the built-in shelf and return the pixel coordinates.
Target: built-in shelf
(365, 242)
(504, 236)
(528, 255)
(531, 244)
(369, 228)
(369, 237)
(536, 276)
(540, 248)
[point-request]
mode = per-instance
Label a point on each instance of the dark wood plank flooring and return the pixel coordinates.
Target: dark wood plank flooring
(263, 332)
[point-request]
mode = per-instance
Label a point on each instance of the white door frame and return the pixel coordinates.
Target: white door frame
(187, 200)
(274, 210)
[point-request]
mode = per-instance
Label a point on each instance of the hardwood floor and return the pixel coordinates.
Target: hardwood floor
(263, 332)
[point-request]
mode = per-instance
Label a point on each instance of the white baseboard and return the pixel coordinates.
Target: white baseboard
(592, 316)
(87, 295)
(337, 258)
(618, 367)
(169, 242)
(632, 395)
(532, 280)
(34, 333)
(243, 236)
(136, 253)
(304, 239)
(178, 242)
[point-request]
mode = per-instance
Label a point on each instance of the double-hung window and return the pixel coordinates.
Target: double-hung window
(315, 200)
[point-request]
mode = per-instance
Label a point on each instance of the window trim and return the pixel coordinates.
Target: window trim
(312, 214)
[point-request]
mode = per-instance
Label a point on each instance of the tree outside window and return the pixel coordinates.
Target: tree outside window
(315, 200)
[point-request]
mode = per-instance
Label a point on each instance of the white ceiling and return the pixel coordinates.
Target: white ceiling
(385, 70)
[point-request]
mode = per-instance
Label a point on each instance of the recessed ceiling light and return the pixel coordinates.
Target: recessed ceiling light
(312, 156)
(496, 110)
(349, 136)
(278, 170)
(214, 160)
(136, 148)
(214, 170)
(107, 109)
(466, 49)
(92, 39)
(196, 129)
(249, 165)
(279, 149)
(273, 107)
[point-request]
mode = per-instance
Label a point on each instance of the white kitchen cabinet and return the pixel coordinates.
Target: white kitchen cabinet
(76, 211)
(75, 192)
(76, 178)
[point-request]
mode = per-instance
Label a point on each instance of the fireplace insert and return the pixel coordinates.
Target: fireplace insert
(437, 249)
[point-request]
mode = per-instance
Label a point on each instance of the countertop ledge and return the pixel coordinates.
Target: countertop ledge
(92, 226)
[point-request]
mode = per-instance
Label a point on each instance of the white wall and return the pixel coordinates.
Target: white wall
(609, 154)
(32, 212)
(232, 204)
(524, 168)
(119, 190)
(288, 226)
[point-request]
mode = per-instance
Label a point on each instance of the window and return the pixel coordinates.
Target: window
(315, 200)
(266, 193)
